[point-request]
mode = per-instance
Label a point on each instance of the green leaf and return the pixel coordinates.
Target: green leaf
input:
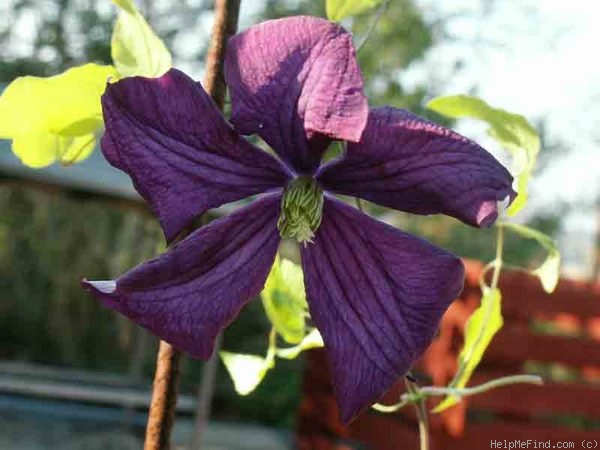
(136, 49)
(339, 9)
(511, 130)
(549, 271)
(312, 340)
(54, 118)
(246, 371)
(481, 327)
(284, 300)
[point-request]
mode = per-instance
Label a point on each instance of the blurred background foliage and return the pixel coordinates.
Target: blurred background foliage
(49, 239)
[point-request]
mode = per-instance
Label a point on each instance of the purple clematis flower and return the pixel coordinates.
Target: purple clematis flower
(375, 293)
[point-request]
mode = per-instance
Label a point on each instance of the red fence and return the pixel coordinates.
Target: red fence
(556, 336)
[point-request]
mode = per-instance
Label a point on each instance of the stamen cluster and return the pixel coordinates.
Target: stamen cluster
(301, 209)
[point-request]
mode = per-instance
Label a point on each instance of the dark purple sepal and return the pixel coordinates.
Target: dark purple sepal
(377, 296)
(182, 155)
(407, 163)
(189, 294)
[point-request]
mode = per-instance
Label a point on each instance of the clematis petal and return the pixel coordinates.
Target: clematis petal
(413, 165)
(182, 155)
(189, 294)
(295, 81)
(377, 295)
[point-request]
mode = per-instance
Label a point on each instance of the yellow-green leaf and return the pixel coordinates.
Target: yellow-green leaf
(549, 271)
(246, 371)
(511, 130)
(40, 149)
(136, 49)
(339, 9)
(67, 104)
(481, 327)
(37, 149)
(284, 300)
(54, 118)
(312, 340)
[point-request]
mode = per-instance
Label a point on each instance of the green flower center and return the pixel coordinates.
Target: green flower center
(301, 209)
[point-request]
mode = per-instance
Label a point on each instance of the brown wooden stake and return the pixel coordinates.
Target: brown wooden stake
(164, 399)
(166, 379)
(225, 25)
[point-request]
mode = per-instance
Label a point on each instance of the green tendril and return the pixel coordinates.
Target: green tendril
(301, 209)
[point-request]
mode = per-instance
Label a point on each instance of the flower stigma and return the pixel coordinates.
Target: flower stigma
(301, 209)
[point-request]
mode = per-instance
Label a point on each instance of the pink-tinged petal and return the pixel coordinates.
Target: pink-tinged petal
(377, 296)
(405, 162)
(295, 81)
(182, 155)
(189, 294)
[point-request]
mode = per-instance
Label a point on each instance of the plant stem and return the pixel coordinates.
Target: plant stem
(387, 409)
(373, 25)
(484, 387)
(421, 410)
(498, 260)
(166, 378)
(423, 424)
(434, 391)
